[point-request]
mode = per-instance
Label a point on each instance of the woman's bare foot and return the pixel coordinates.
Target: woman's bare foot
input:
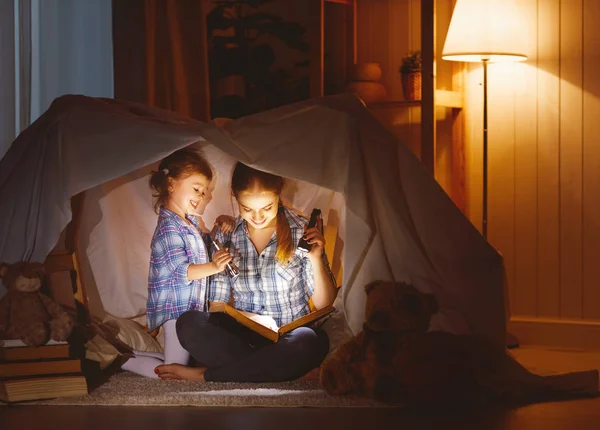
(180, 372)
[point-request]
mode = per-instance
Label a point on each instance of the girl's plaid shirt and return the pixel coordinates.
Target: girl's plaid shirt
(175, 245)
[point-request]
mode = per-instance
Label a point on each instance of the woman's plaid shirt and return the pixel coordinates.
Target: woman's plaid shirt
(175, 245)
(265, 286)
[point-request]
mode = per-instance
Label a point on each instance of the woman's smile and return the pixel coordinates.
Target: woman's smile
(258, 207)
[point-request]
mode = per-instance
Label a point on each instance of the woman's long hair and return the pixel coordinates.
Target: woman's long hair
(243, 178)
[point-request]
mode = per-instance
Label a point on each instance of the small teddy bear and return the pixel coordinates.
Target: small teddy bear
(25, 312)
(396, 359)
(367, 365)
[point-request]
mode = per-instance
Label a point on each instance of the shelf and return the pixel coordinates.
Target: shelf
(451, 99)
(400, 103)
(443, 98)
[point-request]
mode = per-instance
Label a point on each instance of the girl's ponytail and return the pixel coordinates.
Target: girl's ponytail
(159, 184)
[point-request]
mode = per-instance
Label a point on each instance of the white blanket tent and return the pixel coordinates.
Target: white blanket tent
(396, 221)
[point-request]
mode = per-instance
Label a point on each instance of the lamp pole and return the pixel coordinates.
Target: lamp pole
(485, 149)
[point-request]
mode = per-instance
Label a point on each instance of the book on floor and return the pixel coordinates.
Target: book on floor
(273, 335)
(47, 387)
(9, 369)
(17, 343)
(41, 372)
(17, 350)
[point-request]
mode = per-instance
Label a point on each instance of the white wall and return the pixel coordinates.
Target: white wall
(544, 173)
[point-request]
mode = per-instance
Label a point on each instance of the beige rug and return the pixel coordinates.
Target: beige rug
(127, 389)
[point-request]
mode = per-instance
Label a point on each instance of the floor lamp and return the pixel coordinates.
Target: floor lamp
(484, 31)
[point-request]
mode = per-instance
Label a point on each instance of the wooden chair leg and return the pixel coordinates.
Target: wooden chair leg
(67, 260)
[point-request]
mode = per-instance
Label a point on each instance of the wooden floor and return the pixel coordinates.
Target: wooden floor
(571, 415)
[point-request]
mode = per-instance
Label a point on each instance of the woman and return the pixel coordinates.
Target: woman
(275, 284)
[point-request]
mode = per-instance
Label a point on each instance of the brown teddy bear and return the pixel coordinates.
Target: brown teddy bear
(25, 312)
(367, 365)
(395, 359)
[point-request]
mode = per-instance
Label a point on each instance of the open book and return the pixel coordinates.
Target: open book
(264, 331)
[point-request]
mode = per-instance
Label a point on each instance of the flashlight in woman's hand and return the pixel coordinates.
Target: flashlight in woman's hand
(315, 221)
(232, 271)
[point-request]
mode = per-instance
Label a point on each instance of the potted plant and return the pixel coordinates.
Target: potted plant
(410, 71)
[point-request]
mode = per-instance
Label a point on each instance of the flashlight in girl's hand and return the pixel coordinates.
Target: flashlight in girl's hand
(230, 268)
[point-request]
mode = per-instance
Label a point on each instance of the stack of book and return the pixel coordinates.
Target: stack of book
(43, 372)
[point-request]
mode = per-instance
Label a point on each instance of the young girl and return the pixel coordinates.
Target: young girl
(275, 284)
(179, 262)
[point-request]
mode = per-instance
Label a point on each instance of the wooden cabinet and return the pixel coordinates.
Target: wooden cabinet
(383, 31)
(332, 34)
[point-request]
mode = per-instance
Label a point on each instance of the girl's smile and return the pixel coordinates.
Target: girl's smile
(186, 196)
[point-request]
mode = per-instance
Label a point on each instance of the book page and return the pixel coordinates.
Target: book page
(264, 320)
(245, 320)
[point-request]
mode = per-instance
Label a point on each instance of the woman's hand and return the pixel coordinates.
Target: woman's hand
(225, 223)
(220, 260)
(315, 238)
(265, 320)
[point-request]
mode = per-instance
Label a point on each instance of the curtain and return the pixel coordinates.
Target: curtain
(160, 55)
(75, 50)
(50, 48)
(7, 75)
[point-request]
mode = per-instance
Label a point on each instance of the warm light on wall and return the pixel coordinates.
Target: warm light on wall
(485, 31)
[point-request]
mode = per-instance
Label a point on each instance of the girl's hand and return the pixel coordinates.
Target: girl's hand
(220, 260)
(225, 223)
(315, 238)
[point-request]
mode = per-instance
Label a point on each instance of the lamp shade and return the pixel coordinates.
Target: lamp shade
(481, 30)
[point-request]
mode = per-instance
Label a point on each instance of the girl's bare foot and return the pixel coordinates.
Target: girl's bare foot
(180, 372)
